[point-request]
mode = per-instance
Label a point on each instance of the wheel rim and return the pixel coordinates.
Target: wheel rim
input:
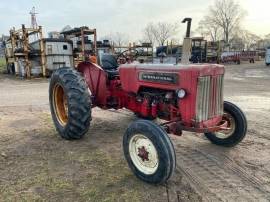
(143, 154)
(223, 134)
(60, 104)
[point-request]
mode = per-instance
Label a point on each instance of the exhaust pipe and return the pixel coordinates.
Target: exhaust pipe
(186, 49)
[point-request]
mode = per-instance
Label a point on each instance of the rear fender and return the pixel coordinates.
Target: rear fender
(96, 79)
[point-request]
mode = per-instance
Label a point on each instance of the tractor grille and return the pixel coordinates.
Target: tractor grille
(209, 101)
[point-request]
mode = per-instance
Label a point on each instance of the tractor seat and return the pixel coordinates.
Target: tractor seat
(112, 73)
(109, 63)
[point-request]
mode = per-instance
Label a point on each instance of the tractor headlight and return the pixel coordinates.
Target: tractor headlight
(181, 93)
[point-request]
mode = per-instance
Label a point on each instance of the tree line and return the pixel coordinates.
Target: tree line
(222, 22)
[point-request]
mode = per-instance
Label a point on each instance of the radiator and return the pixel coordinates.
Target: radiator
(209, 101)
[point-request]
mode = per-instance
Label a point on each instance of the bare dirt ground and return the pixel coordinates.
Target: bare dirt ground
(37, 165)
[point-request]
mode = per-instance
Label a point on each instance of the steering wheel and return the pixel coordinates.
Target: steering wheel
(127, 56)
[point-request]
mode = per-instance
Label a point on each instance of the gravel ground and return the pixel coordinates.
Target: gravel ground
(37, 165)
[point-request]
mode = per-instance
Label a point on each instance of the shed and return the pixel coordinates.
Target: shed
(58, 53)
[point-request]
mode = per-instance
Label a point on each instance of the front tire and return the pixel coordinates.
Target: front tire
(237, 124)
(149, 152)
(70, 103)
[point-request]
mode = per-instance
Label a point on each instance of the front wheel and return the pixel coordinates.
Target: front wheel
(237, 127)
(149, 152)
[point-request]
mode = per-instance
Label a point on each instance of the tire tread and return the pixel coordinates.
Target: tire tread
(79, 103)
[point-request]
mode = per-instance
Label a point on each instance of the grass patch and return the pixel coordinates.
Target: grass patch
(77, 176)
(2, 65)
(43, 167)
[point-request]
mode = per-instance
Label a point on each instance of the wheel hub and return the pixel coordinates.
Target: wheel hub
(60, 104)
(143, 153)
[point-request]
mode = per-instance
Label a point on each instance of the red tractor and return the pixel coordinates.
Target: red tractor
(186, 97)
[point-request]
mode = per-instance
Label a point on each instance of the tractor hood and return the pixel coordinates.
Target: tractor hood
(164, 76)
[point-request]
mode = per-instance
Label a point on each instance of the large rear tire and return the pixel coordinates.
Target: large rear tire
(149, 152)
(70, 103)
(238, 127)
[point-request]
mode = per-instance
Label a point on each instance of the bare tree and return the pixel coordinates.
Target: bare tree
(159, 33)
(264, 42)
(120, 39)
(149, 33)
(244, 39)
(164, 31)
(117, 38)
(250, 40)
(209, 29)
(236, 43)
(227, 14)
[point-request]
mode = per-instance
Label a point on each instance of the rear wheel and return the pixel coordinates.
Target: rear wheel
(70, 103)
(149, 151)
(237, 127)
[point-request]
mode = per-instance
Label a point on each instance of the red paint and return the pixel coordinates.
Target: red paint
(96, 79)
(154, 109)
(145, 108)
(123, 92)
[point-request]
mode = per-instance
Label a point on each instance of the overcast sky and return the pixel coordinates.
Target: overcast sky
(127, 16)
